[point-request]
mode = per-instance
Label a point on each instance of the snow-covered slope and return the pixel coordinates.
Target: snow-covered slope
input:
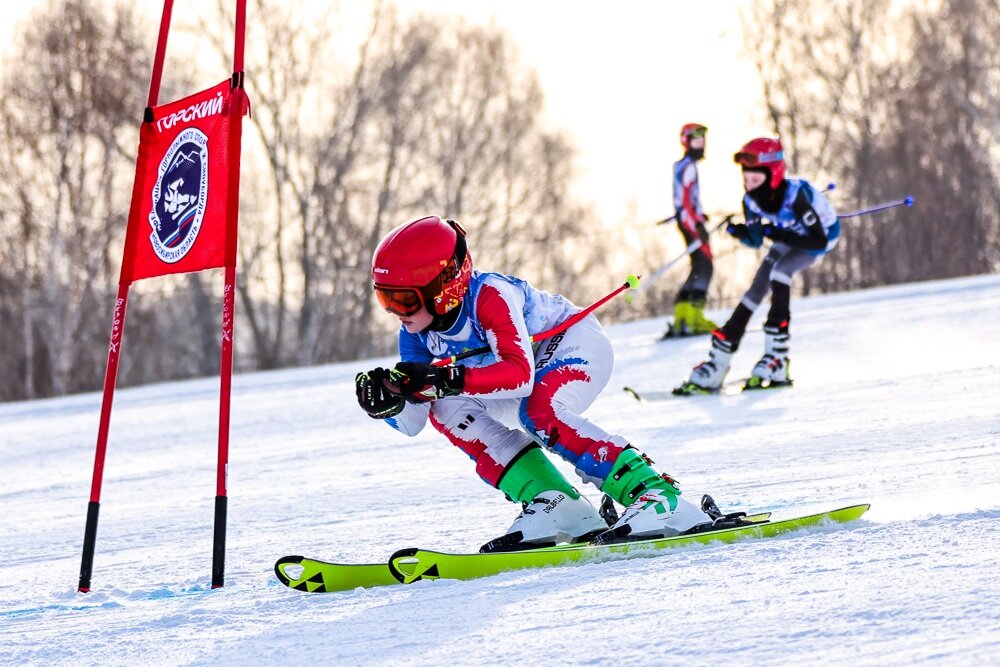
(897, 403)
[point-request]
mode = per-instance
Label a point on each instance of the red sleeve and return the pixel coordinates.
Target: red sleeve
(689, 216)
(507, 334)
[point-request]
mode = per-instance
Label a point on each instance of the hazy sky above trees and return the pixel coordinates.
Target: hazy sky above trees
(620, 82)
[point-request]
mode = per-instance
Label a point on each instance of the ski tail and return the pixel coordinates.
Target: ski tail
(316, 576)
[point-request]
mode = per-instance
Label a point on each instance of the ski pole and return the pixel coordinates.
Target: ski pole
(630, 283)
(673, 218)
(829, 186)
(905, 201)
(692, 247)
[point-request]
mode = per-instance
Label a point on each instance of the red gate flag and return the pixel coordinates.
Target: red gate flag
(184, 201)
(183, 217)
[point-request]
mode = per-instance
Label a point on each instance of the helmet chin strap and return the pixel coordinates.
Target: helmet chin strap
(770, 199)
(446, 321)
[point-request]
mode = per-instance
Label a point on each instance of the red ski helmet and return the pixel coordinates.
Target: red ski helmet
(763, 153)
(690, 131)
(423, 263)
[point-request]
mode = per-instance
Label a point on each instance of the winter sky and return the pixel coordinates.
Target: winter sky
(620, 81)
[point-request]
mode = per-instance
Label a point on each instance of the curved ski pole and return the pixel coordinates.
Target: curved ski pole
(630, 283)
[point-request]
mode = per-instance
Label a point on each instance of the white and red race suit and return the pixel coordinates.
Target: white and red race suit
(519, 393)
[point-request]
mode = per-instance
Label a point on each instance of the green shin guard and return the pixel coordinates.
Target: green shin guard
(531, 473)
(633, 475)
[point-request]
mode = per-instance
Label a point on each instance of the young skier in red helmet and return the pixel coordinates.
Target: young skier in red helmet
(508, 408)
(802, 227)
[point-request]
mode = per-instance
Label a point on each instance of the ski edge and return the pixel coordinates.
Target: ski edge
(318, 576)
(840, 515)
(350, 576)
(413, 564)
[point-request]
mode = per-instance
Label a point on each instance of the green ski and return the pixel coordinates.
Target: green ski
(409, 565)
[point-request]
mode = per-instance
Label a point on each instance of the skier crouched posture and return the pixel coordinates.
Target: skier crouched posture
(803, 227)
(422, 273)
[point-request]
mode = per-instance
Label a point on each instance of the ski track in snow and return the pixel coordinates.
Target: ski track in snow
(896, 403)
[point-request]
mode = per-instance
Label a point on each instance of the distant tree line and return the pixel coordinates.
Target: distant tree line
(351, 136)
(888, 99)
(424, 117)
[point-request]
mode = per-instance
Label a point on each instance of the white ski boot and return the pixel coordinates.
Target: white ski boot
(707, 377)
(772, 369)
(656, 513)
(553, 517)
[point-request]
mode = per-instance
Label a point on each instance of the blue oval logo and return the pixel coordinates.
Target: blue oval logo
(179, 196)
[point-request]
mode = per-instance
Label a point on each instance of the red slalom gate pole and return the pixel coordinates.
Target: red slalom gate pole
(228, 317)
(222, 470)
(110, 379)
(114, 347)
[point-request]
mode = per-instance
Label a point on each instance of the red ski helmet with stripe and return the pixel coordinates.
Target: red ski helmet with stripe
(690, 131)
(764, 154)
(422, 263)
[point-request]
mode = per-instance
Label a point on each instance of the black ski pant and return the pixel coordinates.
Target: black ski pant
(774, 276)
(695, 288)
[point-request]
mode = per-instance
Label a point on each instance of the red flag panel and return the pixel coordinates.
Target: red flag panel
(183, 215)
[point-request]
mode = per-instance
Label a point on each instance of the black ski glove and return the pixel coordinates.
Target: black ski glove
(375, 397)
(419, 382)
(738, 231)
(775, 233)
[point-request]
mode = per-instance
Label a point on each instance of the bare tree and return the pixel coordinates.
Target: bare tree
(68, 114)
(890, 100)
(428, 117)
(425, 116)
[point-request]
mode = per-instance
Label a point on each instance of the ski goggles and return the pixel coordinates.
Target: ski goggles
(403, 301)
(758, 159)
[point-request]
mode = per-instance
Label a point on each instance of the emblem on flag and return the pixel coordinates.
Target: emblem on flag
(179, 195)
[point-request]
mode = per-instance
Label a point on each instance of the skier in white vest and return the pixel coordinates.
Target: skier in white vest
(689, 305)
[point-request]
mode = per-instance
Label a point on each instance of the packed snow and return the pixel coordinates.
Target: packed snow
(896, 403)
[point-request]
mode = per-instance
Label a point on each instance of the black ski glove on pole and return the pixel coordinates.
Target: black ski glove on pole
(419, 382)
(738, 231)
(775, 233)
(374, 396)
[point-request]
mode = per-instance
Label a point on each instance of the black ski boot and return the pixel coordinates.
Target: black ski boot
(709, 507)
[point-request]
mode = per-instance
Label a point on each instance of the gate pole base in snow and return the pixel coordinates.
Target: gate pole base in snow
(89, 542)
(219, 543)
